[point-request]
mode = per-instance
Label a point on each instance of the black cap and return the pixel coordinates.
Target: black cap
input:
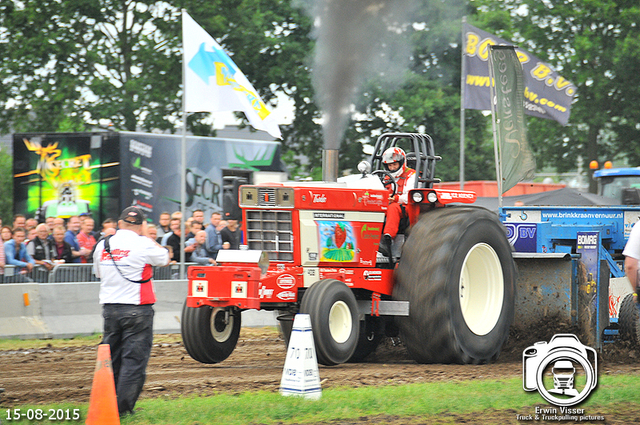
(132, 215)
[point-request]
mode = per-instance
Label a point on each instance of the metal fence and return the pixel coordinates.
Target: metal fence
(62, 273)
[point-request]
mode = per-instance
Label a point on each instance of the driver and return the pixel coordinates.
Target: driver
(394, 161)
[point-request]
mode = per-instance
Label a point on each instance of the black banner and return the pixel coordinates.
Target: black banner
(547, 94)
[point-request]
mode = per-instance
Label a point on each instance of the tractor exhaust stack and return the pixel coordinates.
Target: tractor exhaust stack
(330, 165)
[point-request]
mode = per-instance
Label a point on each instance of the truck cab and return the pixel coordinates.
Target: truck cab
(620, 184)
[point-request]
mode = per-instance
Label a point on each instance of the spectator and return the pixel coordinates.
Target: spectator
(163, 240)
(187, 229)
(16, 254)
(232, 234)
(30, 223)
(50, 222)
(40, 248)
(6, 233)
(176, 214)
(2, 259)
(61, 248)
(164, 224)
(173, 239)
(107, 232)
(31, 234)
(152, 231)
(86, 239)
(58, 221)
(221, 226)
(71, 237)
(214, 241)
(195, 228)
(109, 223)
(199, 253)
(170, 249)
(19, 220)
(198, 216)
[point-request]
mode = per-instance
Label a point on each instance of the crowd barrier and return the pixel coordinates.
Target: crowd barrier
(67, 273)
(59, 307)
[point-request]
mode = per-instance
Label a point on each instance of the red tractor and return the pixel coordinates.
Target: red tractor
(313, 248)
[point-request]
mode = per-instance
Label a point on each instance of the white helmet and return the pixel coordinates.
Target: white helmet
(392, 155)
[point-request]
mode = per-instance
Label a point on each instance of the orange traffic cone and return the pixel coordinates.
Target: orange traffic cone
(103, 405)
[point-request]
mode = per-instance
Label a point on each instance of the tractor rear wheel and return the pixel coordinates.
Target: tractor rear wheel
(210, 334)
(629, 320)
(458, 274)
(333, 311)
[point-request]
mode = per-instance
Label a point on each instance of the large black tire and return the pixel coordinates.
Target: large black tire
(458, 274)
(206, 336)
(333, 311)
(629, 320)
(368, 340)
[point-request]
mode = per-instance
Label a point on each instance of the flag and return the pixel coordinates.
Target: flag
(213, 82)
(515, 160)
(547, 94)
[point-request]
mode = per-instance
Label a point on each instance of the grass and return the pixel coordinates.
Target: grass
(29, 344)
(343, 404)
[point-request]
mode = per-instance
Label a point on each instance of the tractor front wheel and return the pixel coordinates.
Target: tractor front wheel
(458, 274)
(333, 311)
(210, 334)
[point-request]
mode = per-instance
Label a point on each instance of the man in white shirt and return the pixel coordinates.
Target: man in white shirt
(123, 262)
(632, 257)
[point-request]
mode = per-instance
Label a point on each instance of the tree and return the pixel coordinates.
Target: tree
(95, 62)
(594, 44)
(6, 186)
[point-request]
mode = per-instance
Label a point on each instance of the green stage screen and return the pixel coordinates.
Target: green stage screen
(66, 174)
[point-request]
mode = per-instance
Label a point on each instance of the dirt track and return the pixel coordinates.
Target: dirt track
(51, 375)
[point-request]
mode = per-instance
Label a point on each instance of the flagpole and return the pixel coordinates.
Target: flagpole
(183, 166)
(496, 151)
(463, 73)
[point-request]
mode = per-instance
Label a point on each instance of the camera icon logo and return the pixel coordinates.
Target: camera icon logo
(564, 371)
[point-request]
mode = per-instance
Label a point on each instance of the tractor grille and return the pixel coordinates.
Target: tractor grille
(267, 197)
(271, 231)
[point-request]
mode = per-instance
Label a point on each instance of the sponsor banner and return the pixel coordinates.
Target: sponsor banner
(286, 281)
(516, 160)
(523, 237)
(547, 94)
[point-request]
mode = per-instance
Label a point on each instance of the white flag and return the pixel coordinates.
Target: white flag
(213, 82)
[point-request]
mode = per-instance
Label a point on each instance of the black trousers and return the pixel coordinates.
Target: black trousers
(128, 329)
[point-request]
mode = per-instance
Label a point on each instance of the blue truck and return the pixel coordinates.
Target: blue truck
(620, 184)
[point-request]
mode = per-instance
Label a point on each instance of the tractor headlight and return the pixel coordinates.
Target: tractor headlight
(432, 197)
(417, 197)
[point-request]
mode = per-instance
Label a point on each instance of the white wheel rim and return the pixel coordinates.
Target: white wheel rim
(481, 289)
(340, 323)
(219, 330)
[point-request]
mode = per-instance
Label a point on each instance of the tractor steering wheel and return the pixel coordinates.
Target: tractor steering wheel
(391, 181)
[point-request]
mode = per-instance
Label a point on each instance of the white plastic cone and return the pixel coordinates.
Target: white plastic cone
(300, 375)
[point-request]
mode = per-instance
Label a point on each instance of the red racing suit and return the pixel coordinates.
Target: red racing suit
(395, 212)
